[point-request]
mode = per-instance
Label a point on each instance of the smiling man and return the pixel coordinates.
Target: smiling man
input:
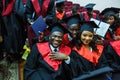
(46, 60)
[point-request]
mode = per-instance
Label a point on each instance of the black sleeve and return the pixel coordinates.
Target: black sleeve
(75, 64)
(30, 72)
(29, 9)
(102, 61)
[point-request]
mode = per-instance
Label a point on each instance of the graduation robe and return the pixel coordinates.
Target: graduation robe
(13, 25)
(67, 42)
(40, 67)
(114, 60)
(31, 8)
(83, 63)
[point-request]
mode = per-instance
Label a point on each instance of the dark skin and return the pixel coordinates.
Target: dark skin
(55, 40)
(73, 30)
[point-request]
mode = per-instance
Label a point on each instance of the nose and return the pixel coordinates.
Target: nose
(87, 38)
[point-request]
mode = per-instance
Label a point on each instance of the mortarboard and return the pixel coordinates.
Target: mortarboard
(94, 73)
(60, 3)
(88, 26)
(75, 19)
(110, 11)
(38, 25)
(90, 5)
(59, 27)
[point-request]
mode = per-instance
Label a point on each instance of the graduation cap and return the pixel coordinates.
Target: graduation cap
(60, 3)
(94, 73)
(110, 11)
(90, 5)
(59, 27)
(75, 19)
(88, 26)
(39, 25)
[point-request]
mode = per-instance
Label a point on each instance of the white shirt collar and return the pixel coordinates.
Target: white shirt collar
(52, 48)
(69, 37)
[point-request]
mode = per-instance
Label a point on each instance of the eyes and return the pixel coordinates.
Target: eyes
(87, 34)
(56, 36)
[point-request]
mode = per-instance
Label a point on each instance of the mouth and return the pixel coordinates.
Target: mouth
(56, 43)
(86, 42)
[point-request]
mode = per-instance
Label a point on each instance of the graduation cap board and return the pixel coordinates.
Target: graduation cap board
(59, 27)
(39, 25)
(90, 5)
(75, 19)
(94, 73)
(59, 3)
(103, 27)
(88, 26)
(110, 11)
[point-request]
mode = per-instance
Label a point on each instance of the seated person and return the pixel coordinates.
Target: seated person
(113, 33)
(47, 60)
(88, 59)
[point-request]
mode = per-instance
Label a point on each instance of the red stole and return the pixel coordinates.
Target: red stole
(108, 36)
(116, 46)
(8, 10)
(44, 50)
(66, 40)
(40, 11)
(117, 33)
(86, 17)
(90, 56)
(60, 15)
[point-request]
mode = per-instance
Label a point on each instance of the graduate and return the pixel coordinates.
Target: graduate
(88, 62)
(73, 26)
(48, 60)
(88, 14)
(60, 9)
(113, 33)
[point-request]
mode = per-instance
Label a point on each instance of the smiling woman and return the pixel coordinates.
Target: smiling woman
(88, 56)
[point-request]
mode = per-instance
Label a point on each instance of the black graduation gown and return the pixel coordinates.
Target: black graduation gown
(13, 39)
(38, 69)
(81, 66)
(114, 62)
(31, 14)
(30, 9)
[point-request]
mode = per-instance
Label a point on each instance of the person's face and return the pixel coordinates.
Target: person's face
(73, 29)
(86, 37)
(110, 20)
(56, 39)
(60, 8)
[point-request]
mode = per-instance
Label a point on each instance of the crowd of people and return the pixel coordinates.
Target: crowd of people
(68, 48)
